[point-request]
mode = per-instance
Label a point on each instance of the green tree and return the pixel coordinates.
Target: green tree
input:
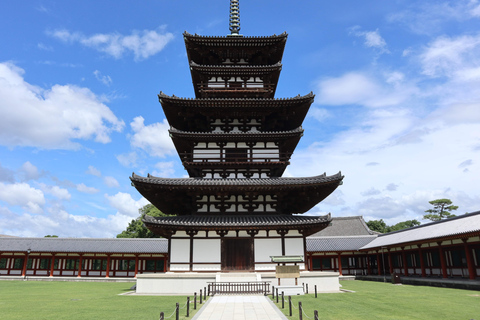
(441, 210)
(382, 227)
(377, 225)
(404, 225)
(136, 228)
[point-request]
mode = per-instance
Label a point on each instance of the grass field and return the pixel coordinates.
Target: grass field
(82, 300)
(100, 300)
(377, 300)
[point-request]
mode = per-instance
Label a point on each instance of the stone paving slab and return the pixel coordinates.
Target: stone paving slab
(239, 308)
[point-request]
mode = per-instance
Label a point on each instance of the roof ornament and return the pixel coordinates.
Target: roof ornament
(234, 18)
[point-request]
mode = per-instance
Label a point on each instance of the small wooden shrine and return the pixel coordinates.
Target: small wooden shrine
(235, 141)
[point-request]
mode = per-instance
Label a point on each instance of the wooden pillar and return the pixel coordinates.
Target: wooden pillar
(404, 262)
(24, 269)
(468, 254)
(422, 262)
(390, 264)
(136, 265)
(107, 275)
(339, 257)
(443, 262)
(80, 261)
(369, 270)
(379, 267)
(52, 265)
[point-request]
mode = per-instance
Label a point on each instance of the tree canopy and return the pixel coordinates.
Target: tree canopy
(441, 210)
(382, 227)
(136, 228)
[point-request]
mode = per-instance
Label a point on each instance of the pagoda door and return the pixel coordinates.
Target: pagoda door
(237, 254)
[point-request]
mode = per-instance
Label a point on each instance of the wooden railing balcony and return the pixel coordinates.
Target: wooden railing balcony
(253, 287)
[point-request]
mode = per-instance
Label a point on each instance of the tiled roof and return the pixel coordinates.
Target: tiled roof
(235, 102)
(238, 182)
(237, 221)
(341, 243)
(346, 226)
(220, 135)
(458, 226)
(237, 40)
(84, 245)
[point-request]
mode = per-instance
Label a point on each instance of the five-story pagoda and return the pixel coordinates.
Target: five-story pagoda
(235, 141)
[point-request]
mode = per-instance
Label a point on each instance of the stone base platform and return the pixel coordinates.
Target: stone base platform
(189, 282)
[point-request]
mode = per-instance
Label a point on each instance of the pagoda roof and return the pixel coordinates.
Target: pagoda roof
(237, 135)
(165, 226)
(216, 49)
(194, 114)
(228, 70)
(178, 195)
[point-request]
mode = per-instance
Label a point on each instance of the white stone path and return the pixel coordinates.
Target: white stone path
(239, 308)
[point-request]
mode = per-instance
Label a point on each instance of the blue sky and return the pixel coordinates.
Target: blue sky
(397, 105)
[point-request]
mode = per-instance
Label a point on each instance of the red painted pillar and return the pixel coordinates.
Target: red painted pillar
(24, 269)
(340, 264)
(422, 262)
(443, 262)
(52, 265)
(468, 254)
(390, 264)
(136, 265)
(80, 261)
(379, 269)
(404, 261)
(108, 267)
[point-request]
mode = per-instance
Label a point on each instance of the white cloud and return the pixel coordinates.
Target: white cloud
(56, 191)
(22, 194)
(372, 39)
(6, 174)
(53, 118)
(142, 44)
(153, 138)
(83, 188)
(363, 89)
(164, 169)
(125, 204)
(93, 171)
(111, 182)
(128, 159)
(106, 80)
(452, 57)
(30, 171)
(319, 114)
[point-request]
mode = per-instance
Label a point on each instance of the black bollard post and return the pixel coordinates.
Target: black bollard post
(201, 296)
(162, 316)
(195, 301)
(290, 305)
(315, 291)
(276, 293)
(204, 293)
(300, 311)
(283, 300)
(177, 315)
(188, 307)
(273, 292)
(315, 314)
(306, 286)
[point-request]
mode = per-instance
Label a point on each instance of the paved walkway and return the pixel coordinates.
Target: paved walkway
(239, 308)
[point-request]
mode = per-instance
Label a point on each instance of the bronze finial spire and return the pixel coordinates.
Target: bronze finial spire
(234, 18)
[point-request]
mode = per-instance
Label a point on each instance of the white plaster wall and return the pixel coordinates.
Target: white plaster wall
(206, 250)
(294, 246)
(264, 248)
(207, 267)
(180, 250)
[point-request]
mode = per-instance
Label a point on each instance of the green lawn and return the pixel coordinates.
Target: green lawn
(83, 300)
(377, 300)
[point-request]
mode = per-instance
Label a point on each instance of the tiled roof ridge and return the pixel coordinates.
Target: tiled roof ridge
(162, 95)
(77, 239)
(342, 237)
(274, 36)
(463, 216)
(244, 181)
(235, 66)
(239, 133)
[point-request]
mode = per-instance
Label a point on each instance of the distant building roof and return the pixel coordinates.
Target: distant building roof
(342, 243)
(462, 225)
(84, 245)
(346, 226)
